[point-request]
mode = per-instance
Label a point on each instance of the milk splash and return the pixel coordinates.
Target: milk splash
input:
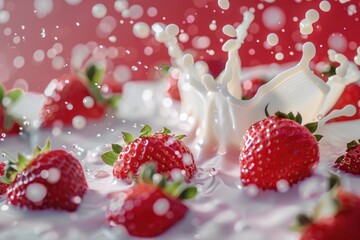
(220, 117)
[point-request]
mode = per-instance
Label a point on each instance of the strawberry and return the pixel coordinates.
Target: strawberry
(350, 162)
(8, 124)
(3, 186)
(148, 209)
(278, 148)
(51, 180)
(172, 88)
(72, 96)
(250, 87)
(336, 217)
(167, 151)
(350, 95)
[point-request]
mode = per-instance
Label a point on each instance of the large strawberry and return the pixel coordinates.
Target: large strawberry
(250, 87)
(3, 186)
(74, 98)
(8, 124)
(50, 180)
(278, 151)
(167, 151)
(150, 207)
(336, 217)
(350, 161)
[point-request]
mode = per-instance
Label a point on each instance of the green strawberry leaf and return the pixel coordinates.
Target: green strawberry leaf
(290, 116)
(114, 100)
(109, 157)
(339, 159)
(351, 145)
(266, 110)
(188, 193)
(146, 173)
(8, 122)
(2, 93)
(318, 137)
(95, 74)
(116, 148)
(281, 115)
(146, 131)
(180, 137)
(311, 126)
(128, 138)
(333, 182)
(173, 188)
(166, 131)
(14, 95)
(298, 118)
(159, 180)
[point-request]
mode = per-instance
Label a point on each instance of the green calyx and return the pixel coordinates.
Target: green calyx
(327, 206)
(111, 156)
(312, 127)
(351, 145)
(330, 72)
(94, 76)
(176, 189)
(17, 165)
(6, 99)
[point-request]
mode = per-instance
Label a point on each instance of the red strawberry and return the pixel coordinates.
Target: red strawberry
(250, 87)
(351, 95)
(8, 124)
(342, 223)
(350, 162)
(3, 186)
(278, 148)
(71, 96)
(172, 88)
(51, 180)
(167, 151)
(147, 209)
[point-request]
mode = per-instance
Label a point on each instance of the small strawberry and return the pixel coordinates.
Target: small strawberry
(3, 186)
(73, 96)
(350, 162)
(150, 207)
(8, 124)
(172, 88)
(278, 148)
(167, 151)
(336, 217)
(350, 95)
(250, 87)
(51, 180)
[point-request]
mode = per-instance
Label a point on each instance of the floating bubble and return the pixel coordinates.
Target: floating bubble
(161, 206)
(36, 192)
(141, 30)
(73, 2)
(99, 10)
(43, 7)
(19, 62)
(273, 18)
(272, 39)
(79, 122)
(325, 6)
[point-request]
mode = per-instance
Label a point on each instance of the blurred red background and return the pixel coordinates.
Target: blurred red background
(38, 36)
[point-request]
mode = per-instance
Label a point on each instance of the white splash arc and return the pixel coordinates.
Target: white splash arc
(220, 117)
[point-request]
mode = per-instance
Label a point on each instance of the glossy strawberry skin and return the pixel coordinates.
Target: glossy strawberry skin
(251, 86)
(164, 150)
(277, 149)
(344, 225)
(62, 193)
(3, 186)
(351, 95)
(64, 101)
(351, 161)
(134, 209)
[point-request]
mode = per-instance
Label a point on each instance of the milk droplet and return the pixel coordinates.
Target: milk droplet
(79, 122)
(224, 4)
(187, 159)
(4, 16)
(36, 192)
(172, 30)
(76, 200)
(272, 39)
(229, 30)
(252, 190)
(54, 175)
(312, 16)
(325, 6)
(19, 62)
(99, 10)
(282, 185)
(88, 102)
(141, 30)
(338, 42)
(279, 56)
(344, 1)
(161, 206)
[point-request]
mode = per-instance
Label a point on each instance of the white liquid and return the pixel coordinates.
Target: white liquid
(325, 6)
(311, 16)
(272, 39)
(224, 4)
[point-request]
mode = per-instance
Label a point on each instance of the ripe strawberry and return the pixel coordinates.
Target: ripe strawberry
(51, 180)
(350, 162)
(148, 209)
(351, 95)
(8, 124)
(172, 88)
(342, 214)
(3, 186)
(71, 96)
(167, 151)
(250, 87)
(278, 148)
